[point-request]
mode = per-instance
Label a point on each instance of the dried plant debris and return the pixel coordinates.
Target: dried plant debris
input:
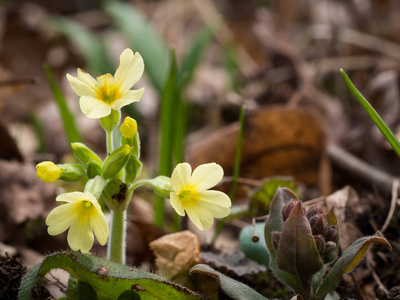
(11, 273)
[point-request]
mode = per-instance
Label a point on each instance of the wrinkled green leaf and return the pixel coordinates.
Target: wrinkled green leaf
(261, 198)
(297, 252)
(88, 44)
(234, 289)
(349, 260)
(66, 116)
(256, 251)
(107, 278)
(143, 38)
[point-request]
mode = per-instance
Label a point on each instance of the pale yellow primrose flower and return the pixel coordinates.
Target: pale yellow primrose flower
(128, 128)
(98, 97)
(48, 171)
(190, 194)
(82, 214)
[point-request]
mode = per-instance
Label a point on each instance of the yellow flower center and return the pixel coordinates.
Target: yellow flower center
(186, 196)
(87, 204)
(106, 91)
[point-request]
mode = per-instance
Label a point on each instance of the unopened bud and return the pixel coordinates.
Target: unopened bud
(48, 171)
(318, 225)
(132, 168)
(71, 172)
(93, 169)
(128, 128)
(332, 233)
(314, 210)
(319, 242)
(84, 154)
(329, 252)
(286, 210)
(114, 163)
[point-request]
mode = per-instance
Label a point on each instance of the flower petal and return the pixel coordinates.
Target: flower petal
(128, 98)
(80, 235)
(129, 71)
(81, 88)
(176, 204)
(200, 217)
(60, 219)
(94, 108)
(88, 79)
(206, 176)
(180, 176)
(71, 197)
(100, 227)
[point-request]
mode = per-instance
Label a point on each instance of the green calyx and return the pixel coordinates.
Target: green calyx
(114, 163)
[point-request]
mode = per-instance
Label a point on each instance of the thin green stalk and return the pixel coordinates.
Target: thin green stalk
(236, 169)
(238, 154)
(390, 137)
(116, 240)
(110, 144)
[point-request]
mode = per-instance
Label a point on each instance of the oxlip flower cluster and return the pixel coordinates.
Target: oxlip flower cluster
(114, 178)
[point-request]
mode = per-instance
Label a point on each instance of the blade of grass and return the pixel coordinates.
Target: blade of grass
(88, 44)
(236, 169)
(67, 118)
(388, 134)
(168, 112)
(143, 38)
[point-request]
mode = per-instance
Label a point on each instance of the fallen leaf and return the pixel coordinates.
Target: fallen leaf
(276, 141)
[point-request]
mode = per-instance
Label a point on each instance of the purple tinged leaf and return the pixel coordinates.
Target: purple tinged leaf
(297, 251)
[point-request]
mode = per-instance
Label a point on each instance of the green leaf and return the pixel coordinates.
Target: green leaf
(67, 117)
(88, 44)
(261, 198)
(256, 251)
(390, 137)
(107, 278)
(297, 251)
(234, 289)
(169, 102)
(349, 260)
(143, 38)
(275, 223)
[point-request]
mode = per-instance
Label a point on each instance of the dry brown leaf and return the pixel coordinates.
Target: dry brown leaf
(8, 147)
(276, 141)
(176, 253)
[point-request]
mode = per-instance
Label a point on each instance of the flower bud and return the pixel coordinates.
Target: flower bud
(319, 241)
(71, 172)
(48, 171)
(114, 163)
(111, 121)
(128, 128)
(132, 168)
(314, 210)
(93, 169)
(288, 208)
(332, 233)
(318, 225)
(329, 252)
(84, 154)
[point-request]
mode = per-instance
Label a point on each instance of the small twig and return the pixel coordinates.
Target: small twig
(361, 169)
(395, 192)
